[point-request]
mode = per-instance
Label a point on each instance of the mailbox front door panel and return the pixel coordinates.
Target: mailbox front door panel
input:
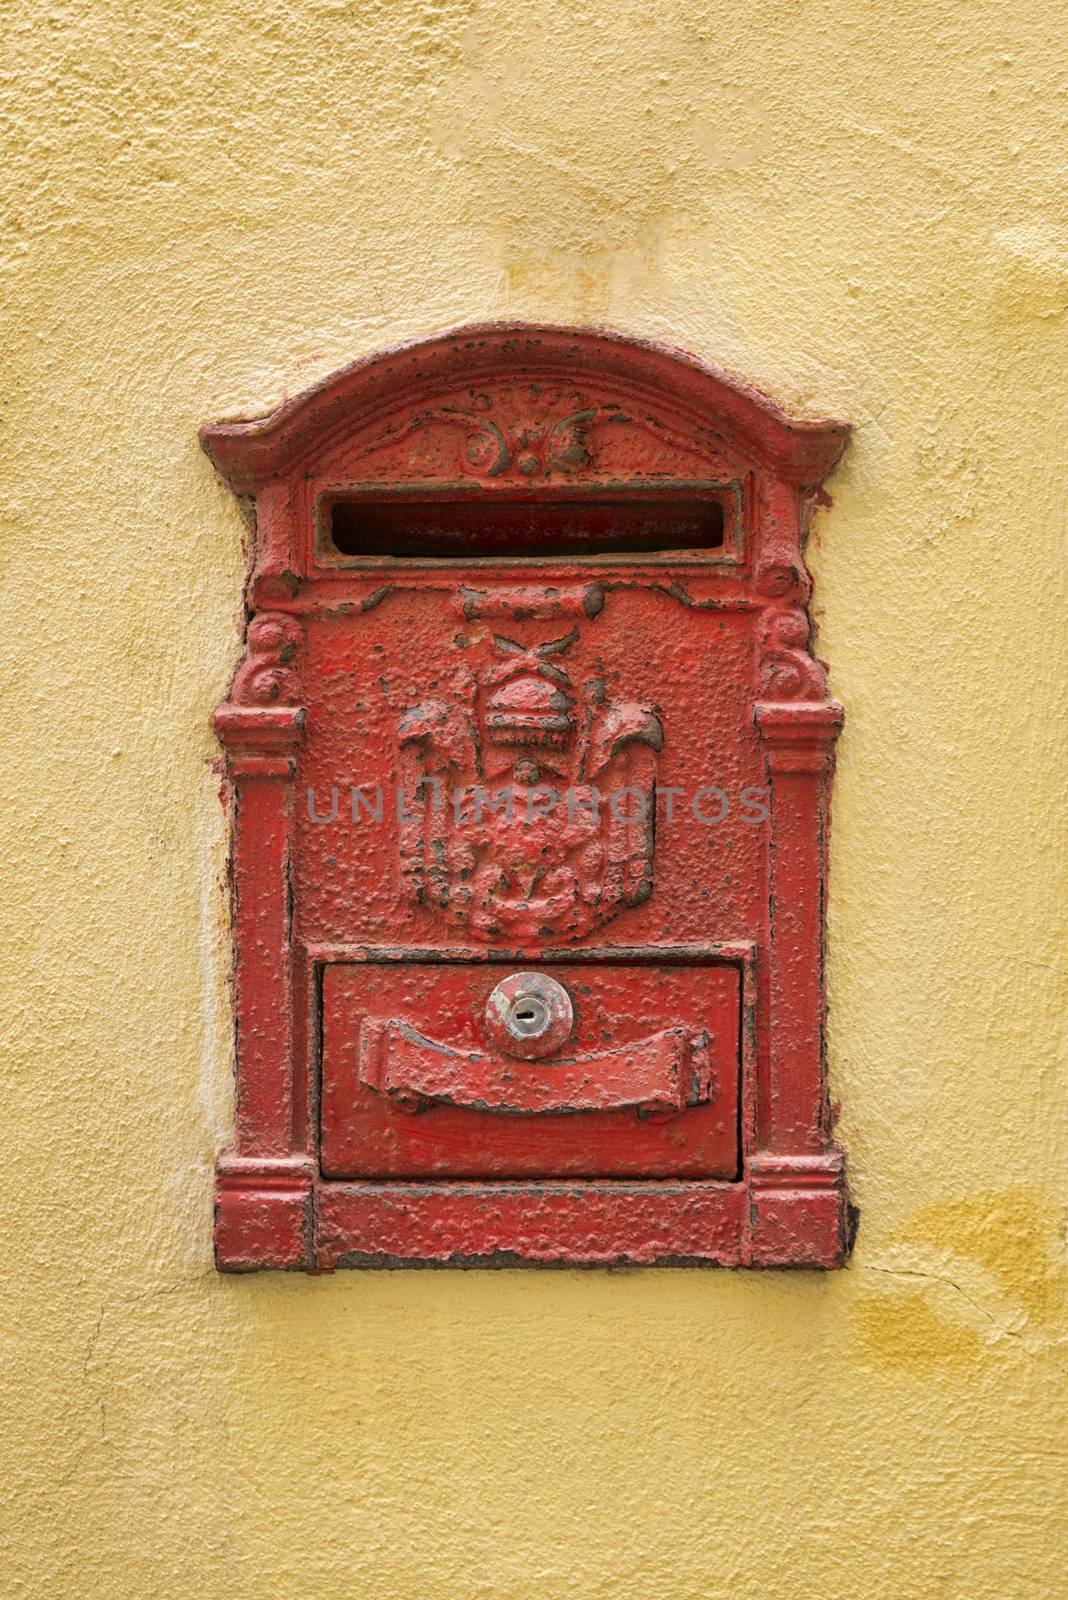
(528, 761)
(643, 1084)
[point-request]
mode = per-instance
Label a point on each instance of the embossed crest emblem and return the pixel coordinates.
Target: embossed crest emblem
(529, 801)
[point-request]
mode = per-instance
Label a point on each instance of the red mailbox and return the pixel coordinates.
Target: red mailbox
(528, 758)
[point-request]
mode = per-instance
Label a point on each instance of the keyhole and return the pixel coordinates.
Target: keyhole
(529, 1016)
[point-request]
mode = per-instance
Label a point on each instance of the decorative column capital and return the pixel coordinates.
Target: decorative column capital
(261, 724)
(260, 741)
(798, 735)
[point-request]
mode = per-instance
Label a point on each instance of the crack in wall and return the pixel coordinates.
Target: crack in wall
(1035, 1346)
(110, 1308)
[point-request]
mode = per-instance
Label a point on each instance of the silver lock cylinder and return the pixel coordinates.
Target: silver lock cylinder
(529, 1015)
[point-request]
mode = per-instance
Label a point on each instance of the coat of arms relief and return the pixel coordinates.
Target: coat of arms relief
(529, 799)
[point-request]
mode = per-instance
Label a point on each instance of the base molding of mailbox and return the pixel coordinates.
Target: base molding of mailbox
(265, 1214)
(279, 1215)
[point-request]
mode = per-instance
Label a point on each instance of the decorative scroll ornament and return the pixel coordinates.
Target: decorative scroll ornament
(541, 446)
(267, 675)
(788, 669)
(528, 805)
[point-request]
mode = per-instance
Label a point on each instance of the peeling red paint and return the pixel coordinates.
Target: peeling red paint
(533, 568)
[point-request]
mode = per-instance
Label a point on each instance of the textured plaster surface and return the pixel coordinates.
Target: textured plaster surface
(861, 208)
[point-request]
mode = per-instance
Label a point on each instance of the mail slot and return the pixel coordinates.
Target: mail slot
(528, 760)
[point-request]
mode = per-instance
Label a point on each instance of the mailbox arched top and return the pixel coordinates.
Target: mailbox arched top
(718, 413)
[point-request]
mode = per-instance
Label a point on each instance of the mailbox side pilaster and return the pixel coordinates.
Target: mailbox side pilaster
(797, 1175)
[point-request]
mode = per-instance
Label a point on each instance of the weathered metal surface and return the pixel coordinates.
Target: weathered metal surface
(529, 710)
(629, 1092)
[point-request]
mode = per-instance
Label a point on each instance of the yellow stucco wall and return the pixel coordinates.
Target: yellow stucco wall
(860, 206)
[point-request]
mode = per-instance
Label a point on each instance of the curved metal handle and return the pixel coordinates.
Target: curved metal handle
(655, 1077)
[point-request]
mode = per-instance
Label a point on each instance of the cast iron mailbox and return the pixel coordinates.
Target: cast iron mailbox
(528, 758)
